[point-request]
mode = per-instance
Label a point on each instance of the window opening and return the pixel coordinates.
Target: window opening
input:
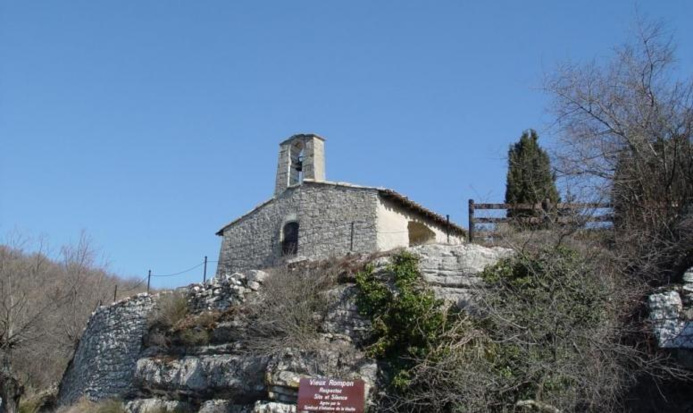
(420, 234)
(290, 239)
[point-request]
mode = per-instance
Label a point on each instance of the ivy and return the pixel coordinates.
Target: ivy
(407, 319)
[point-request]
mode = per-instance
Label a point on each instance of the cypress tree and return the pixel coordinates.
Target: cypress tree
(530, 179)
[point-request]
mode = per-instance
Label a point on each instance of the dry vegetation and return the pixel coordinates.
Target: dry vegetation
(554, 330)
(294, 302)
(45, 302)
(626, 127)
(87, 406)
(172, 324)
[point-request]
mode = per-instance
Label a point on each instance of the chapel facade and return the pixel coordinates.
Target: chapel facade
(309, 217)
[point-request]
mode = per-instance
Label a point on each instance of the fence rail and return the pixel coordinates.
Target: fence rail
(562, 213)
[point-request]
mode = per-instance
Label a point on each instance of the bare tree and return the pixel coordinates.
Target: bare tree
(626, 129)
(25, 299)
(85, 286)
(45, 303)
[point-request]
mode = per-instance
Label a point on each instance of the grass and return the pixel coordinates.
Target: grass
(87, 406)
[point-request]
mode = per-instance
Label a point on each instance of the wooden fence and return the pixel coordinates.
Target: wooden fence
(545, 213)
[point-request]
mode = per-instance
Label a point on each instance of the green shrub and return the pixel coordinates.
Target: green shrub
(551, 314)
(407, 319)
(545, 334)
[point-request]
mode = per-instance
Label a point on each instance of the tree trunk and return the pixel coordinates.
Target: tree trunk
(10, 389)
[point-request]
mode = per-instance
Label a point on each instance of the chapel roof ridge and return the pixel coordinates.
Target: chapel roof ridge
(385, 192)
(302, 135)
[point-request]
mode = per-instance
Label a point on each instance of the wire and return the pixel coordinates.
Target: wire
(179, 273)
(136, 286)
(316, 234)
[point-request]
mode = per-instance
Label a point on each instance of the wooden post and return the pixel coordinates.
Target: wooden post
(115, 292)
(204, 274)
(546, 206)
(470, 233)
(447, 227)
(149, 279)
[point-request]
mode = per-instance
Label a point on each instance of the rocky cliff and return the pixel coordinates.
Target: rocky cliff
(216, 370)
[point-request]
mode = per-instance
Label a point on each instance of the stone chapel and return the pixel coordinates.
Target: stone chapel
(309, 217)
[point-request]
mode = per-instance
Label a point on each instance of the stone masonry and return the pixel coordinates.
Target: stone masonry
(104, 364)
(314, 219)
(308, 151)
(325, 213)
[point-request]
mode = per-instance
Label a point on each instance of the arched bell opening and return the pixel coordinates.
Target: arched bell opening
(298, 151)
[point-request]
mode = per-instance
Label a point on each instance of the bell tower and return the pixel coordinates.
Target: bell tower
(300, 157)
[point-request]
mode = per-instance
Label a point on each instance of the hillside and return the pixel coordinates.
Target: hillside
(45, 302)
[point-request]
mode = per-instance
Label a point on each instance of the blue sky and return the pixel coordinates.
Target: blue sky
(150, 124)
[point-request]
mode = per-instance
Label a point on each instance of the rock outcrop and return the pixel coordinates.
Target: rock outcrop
(117, 359)
(671, 312)
(453, 270)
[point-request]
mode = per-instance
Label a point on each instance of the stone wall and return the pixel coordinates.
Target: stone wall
(671, 313)
(324, 213)
(104, 363)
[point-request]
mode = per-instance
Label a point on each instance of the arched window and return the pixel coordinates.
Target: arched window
(290, 238)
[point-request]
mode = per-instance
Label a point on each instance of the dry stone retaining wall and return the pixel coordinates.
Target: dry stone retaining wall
(104, 364)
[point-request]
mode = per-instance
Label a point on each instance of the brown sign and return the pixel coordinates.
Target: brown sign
(331, 395)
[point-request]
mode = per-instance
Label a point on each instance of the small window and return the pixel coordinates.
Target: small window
(290, 239)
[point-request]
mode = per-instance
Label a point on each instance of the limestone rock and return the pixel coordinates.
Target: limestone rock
(273, 407)
(110, 361)
(256, 276)
(224, 406)
(285, 370)
(453, 271)
(343, 317)
(228, 376)
(152, 405)
(688, 276)
(671, 330)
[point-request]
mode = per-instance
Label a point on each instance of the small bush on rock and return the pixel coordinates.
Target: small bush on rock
(194, 337)
(87, 406)
(408, 321)
(291, 307)
(550, 314)
(169, 311)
